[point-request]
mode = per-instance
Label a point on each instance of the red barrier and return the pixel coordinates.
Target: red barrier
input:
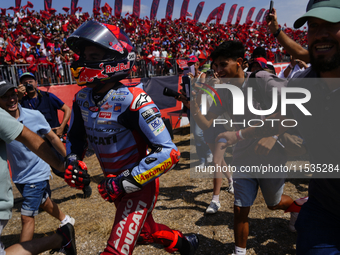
(67, 92)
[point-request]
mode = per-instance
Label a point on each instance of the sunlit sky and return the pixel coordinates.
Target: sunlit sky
(288, 10)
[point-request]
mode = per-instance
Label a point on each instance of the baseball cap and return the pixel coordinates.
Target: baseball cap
(262, 62)
(27, 74)
(192, 59)
(328, 10)
(5, 86)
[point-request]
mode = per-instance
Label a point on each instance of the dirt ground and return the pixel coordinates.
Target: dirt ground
(181, 205)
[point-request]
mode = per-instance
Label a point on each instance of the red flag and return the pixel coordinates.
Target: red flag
(136, 8)
(259, 15)
(198, 11)
(169, 9)
(74, 4)
(95, 12)
(52, 11)
(213, 14)
(12, 49)
(220, 13)
(154, 8)
(231, 13)
(23, 50)
(45, 14)
(86, 15)
(239, 15)
(104, 9)
(168, 63)
(108, 8)
(184, 9)
(265, 16)
(3, 11)
(79, 9)
(18, 4)
(29, 4)
(47, 4)
(250, 14)
(182, 63)
(33, 39)
(96, 5)
(189, 14)
(118, 8)
(66, 9)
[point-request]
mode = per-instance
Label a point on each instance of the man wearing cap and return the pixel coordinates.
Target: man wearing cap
(48, 104)
(10, 130)
(318, 223)
(30, 173)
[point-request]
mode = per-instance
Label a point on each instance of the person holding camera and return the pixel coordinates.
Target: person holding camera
(48, 104)
(202, 149)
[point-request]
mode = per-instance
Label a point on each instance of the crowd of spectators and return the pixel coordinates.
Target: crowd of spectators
(31, 37)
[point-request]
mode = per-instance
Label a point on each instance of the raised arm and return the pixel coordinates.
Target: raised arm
(292, 47)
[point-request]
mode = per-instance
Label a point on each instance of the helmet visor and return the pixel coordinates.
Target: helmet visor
(94, 32)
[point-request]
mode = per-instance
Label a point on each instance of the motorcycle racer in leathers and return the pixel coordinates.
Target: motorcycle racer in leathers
(121, 123)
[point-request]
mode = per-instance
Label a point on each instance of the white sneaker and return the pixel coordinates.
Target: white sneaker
(213, 207)
(69, 220)
(230, 189)
(293, 218)
(210, 158)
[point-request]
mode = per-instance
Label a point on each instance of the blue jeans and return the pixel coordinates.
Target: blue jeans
(202, 149)
(318, 230)
(34, 195)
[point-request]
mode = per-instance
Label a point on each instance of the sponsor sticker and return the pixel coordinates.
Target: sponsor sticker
(86, 104)
(159, 130)
(82, 95)
(85, 118)
(84, 112)
(121, 93)
(118, 98)
(153, 117)
(94, 109)
(149, 112)
(105, 115)
(140, 100)
(105, 122)
(131, 56)
(154, 172)
(155, 124)
(117, 107)
(106, 106)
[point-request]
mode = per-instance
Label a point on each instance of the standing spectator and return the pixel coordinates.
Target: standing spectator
(228, 58)
(30, 173)
(10, 130)
(48, 104)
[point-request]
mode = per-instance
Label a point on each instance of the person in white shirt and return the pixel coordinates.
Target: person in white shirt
(295, 66)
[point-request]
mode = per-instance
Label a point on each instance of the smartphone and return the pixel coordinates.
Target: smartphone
(271, 6)
(186, 85)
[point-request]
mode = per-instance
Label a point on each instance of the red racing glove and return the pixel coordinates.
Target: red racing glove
(109, 188)
(76, 174)
(113, 186)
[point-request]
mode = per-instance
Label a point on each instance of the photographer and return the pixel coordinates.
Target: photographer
(48, 104)
(203, 152)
